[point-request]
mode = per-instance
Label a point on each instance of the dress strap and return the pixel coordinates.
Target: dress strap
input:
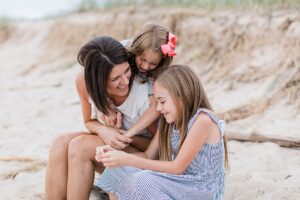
(220, 123)
(150, 87)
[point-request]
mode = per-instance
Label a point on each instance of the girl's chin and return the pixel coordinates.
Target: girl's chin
(169, 121)
(143, 71)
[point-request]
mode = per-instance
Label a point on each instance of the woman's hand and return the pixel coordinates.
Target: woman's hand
(114, 158)
(115, 138)
(112, 120)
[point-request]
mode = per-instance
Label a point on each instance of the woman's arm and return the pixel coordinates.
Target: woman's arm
(194, 141)
(110, 135)
(147, 120)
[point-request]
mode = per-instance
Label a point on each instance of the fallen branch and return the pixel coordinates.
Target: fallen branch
(257, 137)
(32, 167)
(17, 159)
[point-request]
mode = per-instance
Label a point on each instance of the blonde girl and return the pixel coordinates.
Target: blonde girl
(186, 158)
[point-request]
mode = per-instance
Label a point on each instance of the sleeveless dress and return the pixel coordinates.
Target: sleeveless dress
(202, 180)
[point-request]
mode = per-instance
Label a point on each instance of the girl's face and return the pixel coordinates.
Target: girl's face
(148, 61)
(165, 103)
(118, 81)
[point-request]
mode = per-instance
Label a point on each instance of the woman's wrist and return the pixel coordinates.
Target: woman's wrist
(101, 130)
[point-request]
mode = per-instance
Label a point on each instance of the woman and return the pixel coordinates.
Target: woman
(106, 84)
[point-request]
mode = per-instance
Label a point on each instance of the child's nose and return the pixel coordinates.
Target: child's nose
(145, 66)
(158, 107)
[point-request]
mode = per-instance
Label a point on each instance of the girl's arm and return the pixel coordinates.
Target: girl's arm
(194, 141)
(110, 135)
(147, 120)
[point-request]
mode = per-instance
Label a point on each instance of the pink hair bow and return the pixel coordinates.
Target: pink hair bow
(169, 48)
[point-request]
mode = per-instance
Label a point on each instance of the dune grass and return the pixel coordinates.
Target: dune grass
(107, 4)
(5, 21)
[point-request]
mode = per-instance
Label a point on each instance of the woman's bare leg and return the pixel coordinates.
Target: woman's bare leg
(57, 167)
(82, 166)
(82, 148)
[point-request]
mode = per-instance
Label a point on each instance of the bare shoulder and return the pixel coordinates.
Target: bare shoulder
(79, 80)
(208, 126)
(204, 119)
(80, 84)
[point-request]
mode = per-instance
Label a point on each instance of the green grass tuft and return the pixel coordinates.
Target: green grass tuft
(87, 5)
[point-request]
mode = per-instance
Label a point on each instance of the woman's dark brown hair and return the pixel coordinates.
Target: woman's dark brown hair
(98, 57)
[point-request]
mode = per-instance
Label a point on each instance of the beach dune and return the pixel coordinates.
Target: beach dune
(248, 62)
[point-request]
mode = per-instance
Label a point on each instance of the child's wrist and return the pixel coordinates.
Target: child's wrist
(129, 160)
(131, 132)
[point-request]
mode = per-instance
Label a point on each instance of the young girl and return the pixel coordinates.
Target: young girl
(190, 147)
(152, 49)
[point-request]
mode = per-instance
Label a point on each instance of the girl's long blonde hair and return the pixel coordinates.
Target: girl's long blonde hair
(185, 88)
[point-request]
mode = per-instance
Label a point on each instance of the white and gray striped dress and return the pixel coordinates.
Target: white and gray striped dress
(203, 179)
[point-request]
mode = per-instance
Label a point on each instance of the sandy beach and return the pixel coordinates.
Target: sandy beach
(248, 62)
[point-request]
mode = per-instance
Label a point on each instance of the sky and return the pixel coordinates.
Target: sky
(35, 9)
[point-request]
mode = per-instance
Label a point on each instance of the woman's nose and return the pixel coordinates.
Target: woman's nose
(125, 79)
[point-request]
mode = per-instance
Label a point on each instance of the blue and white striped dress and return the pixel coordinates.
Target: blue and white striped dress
(202, 180)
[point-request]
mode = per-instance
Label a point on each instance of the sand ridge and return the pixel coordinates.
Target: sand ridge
(247, 60)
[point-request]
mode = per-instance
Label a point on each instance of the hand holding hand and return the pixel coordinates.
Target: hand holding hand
(115, 139)
(128, 133)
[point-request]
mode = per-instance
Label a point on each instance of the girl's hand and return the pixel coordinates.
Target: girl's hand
(100, 150)
(114, 158)
(115, 139)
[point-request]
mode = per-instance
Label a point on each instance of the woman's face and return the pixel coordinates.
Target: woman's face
(118, 81)
(148, 61)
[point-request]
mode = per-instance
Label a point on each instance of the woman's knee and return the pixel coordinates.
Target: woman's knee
(60, 144)
(84, 147)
